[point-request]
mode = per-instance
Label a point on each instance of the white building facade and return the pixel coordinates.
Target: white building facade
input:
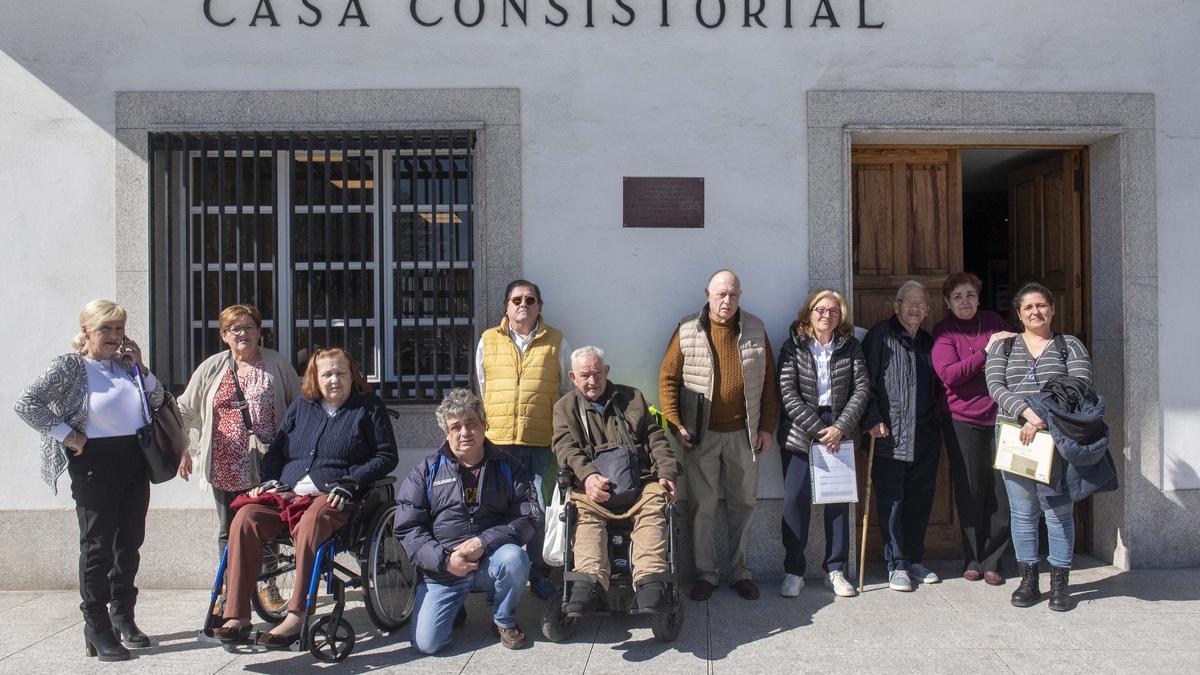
(374, 181)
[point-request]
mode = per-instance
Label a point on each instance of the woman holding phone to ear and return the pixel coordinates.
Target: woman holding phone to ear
(88, 406)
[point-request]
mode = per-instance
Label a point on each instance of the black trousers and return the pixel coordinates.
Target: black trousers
(979, 494)
(904, 497)
(797, 511)
(225, 516)
(111, 493)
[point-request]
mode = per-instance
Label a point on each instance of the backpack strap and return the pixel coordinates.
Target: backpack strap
(1008, 346)
(1063, 352)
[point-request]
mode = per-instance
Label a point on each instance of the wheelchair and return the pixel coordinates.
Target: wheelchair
(384, 575)
(620, 599)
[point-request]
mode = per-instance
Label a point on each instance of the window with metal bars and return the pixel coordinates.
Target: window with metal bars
(363, 240)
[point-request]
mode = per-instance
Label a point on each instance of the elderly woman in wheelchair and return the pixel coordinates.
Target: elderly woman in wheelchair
(333, 443)
(620, 472)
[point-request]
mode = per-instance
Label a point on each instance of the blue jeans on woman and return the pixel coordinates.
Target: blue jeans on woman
(1026, 511)
(505, 572)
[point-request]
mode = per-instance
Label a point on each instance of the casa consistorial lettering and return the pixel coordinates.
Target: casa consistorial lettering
(709, 14)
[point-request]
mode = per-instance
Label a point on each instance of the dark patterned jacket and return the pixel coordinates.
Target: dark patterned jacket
(850, 390)
(61, 395)
(893, 366)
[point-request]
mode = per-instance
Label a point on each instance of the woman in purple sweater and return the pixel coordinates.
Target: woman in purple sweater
(960, 345)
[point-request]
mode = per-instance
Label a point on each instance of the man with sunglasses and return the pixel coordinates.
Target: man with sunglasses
(521, 366)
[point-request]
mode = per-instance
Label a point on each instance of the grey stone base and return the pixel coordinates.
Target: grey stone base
(180, 549)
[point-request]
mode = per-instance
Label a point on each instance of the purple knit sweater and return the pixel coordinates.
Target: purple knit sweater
(958, 358)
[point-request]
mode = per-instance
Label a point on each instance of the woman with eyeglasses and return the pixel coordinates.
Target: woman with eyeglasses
(233, 402)
(824, 386)
(961, 342)
(89, 406)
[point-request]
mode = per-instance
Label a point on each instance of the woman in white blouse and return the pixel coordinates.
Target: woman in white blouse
(88, 407)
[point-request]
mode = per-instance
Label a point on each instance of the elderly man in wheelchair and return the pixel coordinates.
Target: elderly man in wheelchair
(332, 445)
(622, 472)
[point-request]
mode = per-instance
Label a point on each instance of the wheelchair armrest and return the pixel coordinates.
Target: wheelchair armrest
(566, 477)
(386, 480)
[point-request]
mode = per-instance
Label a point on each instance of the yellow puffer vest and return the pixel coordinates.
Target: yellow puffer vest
(519, 393)
(698, 362)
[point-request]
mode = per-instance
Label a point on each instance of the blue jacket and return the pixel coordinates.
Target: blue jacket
(1074, 416)
(358, 443)
(432, 516)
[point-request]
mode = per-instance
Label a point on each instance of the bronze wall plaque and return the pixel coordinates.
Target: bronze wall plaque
(663, 202)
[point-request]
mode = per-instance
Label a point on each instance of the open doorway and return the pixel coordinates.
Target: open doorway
(1006, 214)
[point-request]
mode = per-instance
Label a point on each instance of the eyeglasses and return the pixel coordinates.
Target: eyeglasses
(827, 311)
(527, 300)
(914, 305)
(241, 330)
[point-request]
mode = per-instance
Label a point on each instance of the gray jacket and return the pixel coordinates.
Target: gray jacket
(893, 365)
(61, 395)
(850, 389)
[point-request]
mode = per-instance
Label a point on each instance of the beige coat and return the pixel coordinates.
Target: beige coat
(196, 403)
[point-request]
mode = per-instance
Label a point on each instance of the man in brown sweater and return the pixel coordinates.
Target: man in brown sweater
(723, 353)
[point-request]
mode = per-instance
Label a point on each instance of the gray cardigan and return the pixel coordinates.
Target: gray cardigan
(850, 389)
(61, 395)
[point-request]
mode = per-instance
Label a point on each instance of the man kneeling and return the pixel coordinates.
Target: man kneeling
(599, 416)
(463, 516)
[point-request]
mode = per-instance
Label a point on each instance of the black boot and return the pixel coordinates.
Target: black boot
(649, 597)
(122, 621)
(1060, 599)
(1028, 593)
(581, 598)
(99, 638)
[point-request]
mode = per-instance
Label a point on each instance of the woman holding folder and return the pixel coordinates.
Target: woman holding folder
(1017, 368)
(824, 385)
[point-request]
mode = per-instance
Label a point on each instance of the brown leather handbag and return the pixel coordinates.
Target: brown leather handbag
(163, 439)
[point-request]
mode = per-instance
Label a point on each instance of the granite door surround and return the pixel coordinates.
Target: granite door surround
(1118, 130)
(494, 112)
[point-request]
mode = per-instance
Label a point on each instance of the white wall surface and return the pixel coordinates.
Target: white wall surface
(596, 104)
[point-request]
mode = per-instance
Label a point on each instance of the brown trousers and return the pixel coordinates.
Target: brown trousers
(255, 525)
(649, 535)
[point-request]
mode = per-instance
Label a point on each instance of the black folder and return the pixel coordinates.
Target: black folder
(693, 412)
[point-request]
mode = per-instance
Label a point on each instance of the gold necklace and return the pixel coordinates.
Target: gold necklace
(964, 331)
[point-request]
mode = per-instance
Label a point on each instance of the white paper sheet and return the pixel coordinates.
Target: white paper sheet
(834, 480)
(1035, 460)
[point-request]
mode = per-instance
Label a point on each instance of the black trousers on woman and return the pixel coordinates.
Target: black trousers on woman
(112, 494)
(979, 494)
(797, 510)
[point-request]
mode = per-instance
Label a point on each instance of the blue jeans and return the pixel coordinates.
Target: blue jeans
(1026, 511)
(542, 468)
(506, 571)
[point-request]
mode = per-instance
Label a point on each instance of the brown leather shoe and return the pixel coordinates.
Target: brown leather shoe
(273, 641)
(511, 638)
(701, 590)
(232, 634)
(746, 588)
(972, 574)
(993, 578)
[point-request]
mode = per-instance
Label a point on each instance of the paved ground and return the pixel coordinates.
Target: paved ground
(1146, 621)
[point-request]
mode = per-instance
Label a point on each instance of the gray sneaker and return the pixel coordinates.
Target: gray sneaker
(923, 574)
(898, 580)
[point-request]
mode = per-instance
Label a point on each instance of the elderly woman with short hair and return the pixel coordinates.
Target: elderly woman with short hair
(235, 400)
(88, 406)
(1017, 368)
(332, 444)
(824, 386)
(961, 342)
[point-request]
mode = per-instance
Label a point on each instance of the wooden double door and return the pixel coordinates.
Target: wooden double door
(906, 207)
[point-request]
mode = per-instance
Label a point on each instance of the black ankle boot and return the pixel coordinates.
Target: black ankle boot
(1028, 593)
(649, 596)
(128, 631)
(580, 600)
(99, 639)
(1060, 599)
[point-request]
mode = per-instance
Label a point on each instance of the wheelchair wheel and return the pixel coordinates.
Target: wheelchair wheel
(556, 625)
(666, 627)
(270, 598)
(329, 641)
(388, 579)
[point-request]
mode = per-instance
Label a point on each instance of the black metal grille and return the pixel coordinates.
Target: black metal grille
(363, 240)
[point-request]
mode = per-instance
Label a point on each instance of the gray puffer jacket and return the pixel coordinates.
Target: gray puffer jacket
(850, 389)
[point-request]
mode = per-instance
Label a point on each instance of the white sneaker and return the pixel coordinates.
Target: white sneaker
(923, 574)
(791, 586)
(898, 581)
(841, 587)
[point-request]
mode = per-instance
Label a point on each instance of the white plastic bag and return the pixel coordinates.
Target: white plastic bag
(555, 542)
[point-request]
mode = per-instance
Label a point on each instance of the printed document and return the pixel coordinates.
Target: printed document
(834, 480)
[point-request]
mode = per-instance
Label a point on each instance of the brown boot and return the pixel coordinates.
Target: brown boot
(511, 638)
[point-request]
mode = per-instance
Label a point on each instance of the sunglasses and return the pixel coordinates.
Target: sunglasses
(527, 300)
